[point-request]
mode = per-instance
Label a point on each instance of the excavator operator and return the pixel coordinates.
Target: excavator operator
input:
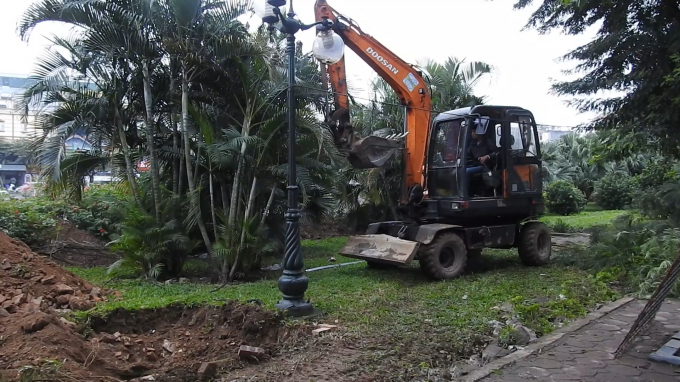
(482, 152)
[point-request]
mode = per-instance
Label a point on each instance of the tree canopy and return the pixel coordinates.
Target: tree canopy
(635, 55)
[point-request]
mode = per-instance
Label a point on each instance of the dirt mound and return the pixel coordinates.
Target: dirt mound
(30, 283)
(169, 343)
(74, 246)
(327, 229)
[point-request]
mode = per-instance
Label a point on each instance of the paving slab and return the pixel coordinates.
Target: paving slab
(586, 353)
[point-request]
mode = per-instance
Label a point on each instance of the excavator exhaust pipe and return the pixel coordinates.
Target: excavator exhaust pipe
(374, 151)
(383, 249)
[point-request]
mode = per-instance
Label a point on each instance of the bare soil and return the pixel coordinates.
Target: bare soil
(325, 230)
(169, 343)
(72, 246)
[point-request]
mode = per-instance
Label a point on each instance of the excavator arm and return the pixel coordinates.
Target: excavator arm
(402, 77)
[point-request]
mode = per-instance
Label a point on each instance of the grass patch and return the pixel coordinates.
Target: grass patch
(399, 308)
(584, 220)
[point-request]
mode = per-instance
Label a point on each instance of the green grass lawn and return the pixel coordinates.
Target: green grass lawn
(586, 219)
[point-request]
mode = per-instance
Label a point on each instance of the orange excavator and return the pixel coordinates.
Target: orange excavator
(472, 176)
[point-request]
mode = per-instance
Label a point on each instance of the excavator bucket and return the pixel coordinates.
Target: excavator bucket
(381, 249)
(374, 151)
(368, 152)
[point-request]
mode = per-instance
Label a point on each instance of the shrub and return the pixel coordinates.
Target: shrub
(101, 211)
(157, 251)
(654, 175)
(27, 220)
(34, 220)
(615, 191)
(661, 203)
(563, 198)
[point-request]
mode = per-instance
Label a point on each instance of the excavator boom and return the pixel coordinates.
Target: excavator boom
(403, 78)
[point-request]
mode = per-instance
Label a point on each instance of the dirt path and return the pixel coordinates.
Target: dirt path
(563, 240)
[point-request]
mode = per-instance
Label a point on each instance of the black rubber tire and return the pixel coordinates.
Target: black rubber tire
(444, 258)
(534, 246)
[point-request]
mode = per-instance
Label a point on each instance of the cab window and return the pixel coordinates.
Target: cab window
(446, 143)
(522, 136)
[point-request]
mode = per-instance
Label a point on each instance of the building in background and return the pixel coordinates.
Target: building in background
(14, 124)
(547, 133)
(17, 125)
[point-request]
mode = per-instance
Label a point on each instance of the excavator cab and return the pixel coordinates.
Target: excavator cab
(507, 135)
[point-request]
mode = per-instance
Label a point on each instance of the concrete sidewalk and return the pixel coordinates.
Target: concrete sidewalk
(587, 353)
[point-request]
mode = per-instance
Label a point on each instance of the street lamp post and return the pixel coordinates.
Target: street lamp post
(328, 48)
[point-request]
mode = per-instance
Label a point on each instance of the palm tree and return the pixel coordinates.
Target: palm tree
(193, 91)
(452, 83)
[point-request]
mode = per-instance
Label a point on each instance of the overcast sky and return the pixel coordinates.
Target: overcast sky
(478, 30)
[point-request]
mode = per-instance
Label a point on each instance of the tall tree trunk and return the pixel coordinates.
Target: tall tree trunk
(187, 158)
(198, 163)
(265, 213)
(246, 216)
(129, 169)
(225, 198)
(182, 175)
(175, 136)
(236, 187)
(150, 135)
(212, 204)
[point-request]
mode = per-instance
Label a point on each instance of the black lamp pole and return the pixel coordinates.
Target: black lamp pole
(293, 282)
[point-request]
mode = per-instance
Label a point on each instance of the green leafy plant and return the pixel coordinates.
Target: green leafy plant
(564, 199)
(615, 191)
(632, 252)
(157, 251)
(655, 174)
(560, 226)
(27, 221)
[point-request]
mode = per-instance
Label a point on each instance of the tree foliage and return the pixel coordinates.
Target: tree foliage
(630, 72)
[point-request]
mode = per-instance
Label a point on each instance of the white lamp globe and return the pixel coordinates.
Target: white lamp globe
(328, 47)
(264, 10)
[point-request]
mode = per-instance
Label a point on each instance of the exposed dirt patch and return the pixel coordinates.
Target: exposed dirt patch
(33, 292)
(326, 360)
(327, 229)
(170, 343)
(73, 246)
(175, 341)
(30, 283)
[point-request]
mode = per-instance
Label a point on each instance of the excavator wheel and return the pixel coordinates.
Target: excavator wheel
(444, 258)
(534, 246)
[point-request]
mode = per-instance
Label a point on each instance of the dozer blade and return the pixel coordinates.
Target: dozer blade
(380, 248)
(374, 151)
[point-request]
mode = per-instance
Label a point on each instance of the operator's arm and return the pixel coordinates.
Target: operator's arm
(493, 153)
